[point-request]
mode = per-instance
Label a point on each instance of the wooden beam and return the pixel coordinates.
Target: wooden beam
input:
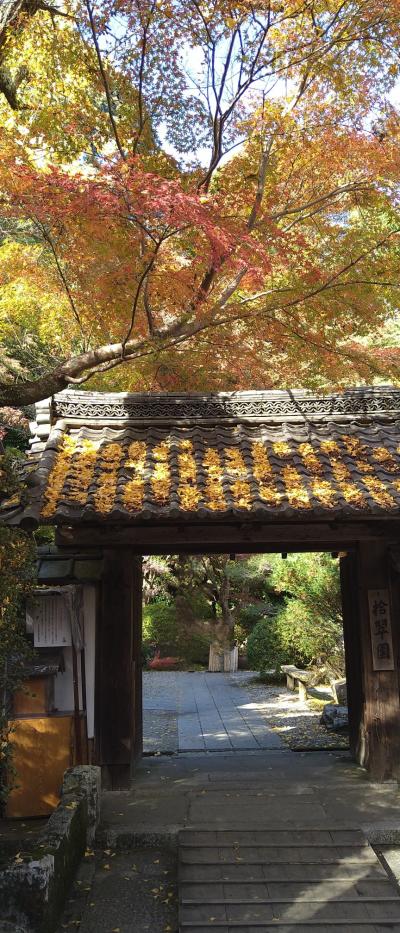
(218, 538)
(379, 739)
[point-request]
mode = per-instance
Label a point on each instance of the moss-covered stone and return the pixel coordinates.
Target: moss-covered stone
(33, 891)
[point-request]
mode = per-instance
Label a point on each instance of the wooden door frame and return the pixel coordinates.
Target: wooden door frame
(373, 697)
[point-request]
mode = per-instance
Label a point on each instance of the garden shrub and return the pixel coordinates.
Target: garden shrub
(160, 626)
(194, 648)
(306, 627)
(264, 650)
(161, 630)
(310, 623)
(307, 640)
(17, 568)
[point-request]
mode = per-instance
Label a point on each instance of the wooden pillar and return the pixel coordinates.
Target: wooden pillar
(118, 694)
(351, 634)
(137, 660)
(379, 737)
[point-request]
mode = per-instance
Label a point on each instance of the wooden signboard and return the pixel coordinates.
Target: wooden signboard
(381, 630)
(51, 624)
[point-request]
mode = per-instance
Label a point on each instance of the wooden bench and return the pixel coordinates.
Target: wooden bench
(295, 678)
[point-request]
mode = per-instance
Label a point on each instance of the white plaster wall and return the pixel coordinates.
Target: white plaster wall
(63, 684)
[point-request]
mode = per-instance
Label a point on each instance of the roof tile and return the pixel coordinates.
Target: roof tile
(172, 472)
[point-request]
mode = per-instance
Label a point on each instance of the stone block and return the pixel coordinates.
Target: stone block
(32, 892)
(85, 780)
(339, 690)
(335, 718)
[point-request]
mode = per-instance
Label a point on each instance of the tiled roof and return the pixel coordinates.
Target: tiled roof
(181, 472)
(195, 470)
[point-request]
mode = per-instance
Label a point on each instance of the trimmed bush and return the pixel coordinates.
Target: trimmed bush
(264, 650)
(160, 626)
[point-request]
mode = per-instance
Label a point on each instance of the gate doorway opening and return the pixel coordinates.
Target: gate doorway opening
(278, 612)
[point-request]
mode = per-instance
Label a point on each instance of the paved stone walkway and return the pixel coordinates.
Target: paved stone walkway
(250, 789)
(133, 886)
(193, 712)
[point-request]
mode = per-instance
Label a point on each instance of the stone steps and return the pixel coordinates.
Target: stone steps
(251, 881)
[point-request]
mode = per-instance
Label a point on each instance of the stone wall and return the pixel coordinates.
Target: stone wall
(32, 892)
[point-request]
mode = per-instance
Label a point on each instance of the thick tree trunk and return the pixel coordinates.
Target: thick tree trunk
(14, 15)
(223, 627)
(79, 368)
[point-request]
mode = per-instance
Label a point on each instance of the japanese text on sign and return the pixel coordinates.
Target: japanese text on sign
(381, 630)
(51, 625)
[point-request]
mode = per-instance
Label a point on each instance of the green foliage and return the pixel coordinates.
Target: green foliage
(287, 611)
(306, 639)
(311, 578)
(194, 648)
(251, 613)
(17, 556)
(158, 579)
(306, 628)
(264, 650)
(159, 624)
(161, 630)
(9, 480)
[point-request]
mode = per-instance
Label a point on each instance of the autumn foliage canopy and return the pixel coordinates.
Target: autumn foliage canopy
(198, 195)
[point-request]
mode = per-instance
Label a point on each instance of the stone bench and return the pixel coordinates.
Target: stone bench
(296, 678)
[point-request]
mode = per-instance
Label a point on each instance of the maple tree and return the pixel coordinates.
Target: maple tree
(196, 195)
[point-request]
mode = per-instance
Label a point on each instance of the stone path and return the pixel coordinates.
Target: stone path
(249, 789)
(191, 712)
(275, 795)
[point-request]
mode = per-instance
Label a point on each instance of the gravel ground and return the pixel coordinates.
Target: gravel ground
(124, 892)
(160, 731)
(296, 721)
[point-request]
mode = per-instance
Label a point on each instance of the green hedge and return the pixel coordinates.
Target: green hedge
(161, 630)
(264, 649)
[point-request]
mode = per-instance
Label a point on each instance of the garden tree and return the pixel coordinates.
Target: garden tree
(306, 627)
(198, 193)
(209, 575)
(199, 589)
(214, 597)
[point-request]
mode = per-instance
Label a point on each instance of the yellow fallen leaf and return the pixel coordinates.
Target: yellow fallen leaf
(106, 867)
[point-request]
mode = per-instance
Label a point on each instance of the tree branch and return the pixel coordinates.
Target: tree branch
(104, 80)
(49, 239)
